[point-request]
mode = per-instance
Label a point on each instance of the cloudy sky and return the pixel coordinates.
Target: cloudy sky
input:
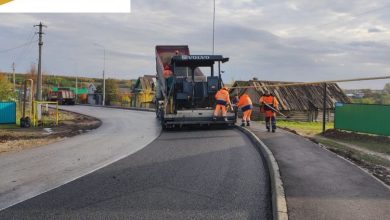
(297, 40)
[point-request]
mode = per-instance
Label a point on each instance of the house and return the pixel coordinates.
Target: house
(93, 98)
(301, 102)
(143, 92)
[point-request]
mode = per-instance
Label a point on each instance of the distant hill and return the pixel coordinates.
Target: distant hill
(50, 81)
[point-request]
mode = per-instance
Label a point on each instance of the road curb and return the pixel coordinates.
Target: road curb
(279, 204)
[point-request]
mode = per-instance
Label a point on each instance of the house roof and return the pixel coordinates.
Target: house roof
(299, 97)
(145, 82)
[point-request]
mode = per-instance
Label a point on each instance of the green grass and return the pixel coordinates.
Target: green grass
(315, 128)
(62, 116)
(305, 128)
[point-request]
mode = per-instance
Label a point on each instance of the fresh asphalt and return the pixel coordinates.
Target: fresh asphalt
(321, 185)
(197, 174)
(30, 172)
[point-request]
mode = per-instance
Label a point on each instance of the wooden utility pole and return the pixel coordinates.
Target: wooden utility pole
(13, 73)
(39, 81)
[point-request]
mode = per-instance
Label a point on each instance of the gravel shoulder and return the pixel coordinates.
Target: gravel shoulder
(13, 138)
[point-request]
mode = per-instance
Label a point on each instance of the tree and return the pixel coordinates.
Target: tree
(6, 88)
(32, 73)
(111, 91)
(386, 89)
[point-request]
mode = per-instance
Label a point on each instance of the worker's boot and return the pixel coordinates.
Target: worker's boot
(243, 123)
(248, 123)
(225, 119)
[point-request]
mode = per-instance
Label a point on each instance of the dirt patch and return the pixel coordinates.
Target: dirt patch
(17, 139)
(344, 135)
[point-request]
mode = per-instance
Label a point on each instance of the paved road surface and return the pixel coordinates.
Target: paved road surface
(214, 174)
(28, 173)
(320, 185)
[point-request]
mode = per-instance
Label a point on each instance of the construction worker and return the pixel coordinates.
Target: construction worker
(267, 102)
(167, 71)
(222, 98)
(245, 103)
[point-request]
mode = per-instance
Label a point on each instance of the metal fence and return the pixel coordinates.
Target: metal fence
(373, 119)
(7, 112)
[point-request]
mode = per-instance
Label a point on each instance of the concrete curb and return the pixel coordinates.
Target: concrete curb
(279, 204)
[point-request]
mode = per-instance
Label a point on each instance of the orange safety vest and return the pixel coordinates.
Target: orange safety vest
(222, 97)
(270, 100)
(167, 73)
(244, 101)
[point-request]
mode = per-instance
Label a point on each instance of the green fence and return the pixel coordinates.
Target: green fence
(373, 119)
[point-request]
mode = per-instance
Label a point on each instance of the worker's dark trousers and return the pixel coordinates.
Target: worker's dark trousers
(270, 121)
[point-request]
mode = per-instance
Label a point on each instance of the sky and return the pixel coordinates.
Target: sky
(297, 40)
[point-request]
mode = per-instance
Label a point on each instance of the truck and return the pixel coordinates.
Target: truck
(64, 96)
(188, 96)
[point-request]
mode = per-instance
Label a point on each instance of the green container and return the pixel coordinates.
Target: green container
(372, 119)
(7, 113)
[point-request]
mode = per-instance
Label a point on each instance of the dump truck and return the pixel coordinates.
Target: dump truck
(187, 96)
(64, 96)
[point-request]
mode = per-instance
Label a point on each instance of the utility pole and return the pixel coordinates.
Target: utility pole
(213, 27)
(324, 109)
(13, 72)
(104, 70)
(104, 77)
(39, 81)
(76, 90)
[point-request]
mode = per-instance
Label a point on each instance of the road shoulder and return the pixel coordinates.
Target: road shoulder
(320, 185)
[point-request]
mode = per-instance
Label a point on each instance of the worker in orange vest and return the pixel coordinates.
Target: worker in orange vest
(167, 71)
(222, 98)
(245, 103)
(267, 102)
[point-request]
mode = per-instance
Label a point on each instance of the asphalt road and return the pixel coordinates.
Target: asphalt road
(213, 174)
(33, 171)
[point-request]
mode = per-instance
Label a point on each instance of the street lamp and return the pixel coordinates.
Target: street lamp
(104, 69)
(213, 26)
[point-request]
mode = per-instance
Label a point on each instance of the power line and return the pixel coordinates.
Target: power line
(355, 16)
(23, 53)
(343, 21)
(17, 47)
(312, 83)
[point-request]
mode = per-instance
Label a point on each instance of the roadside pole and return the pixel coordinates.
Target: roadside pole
(13, 73)
(324, 110)
(39, 80)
